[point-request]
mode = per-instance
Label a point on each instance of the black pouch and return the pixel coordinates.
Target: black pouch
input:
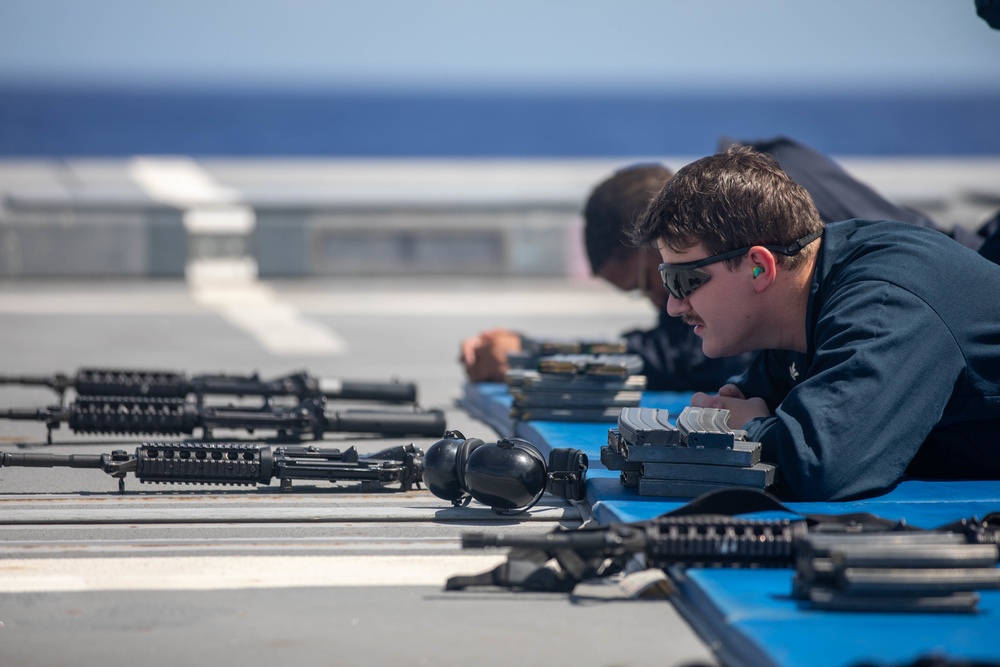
(568, 473)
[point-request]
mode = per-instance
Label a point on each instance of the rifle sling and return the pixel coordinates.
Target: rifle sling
(519, 574)
(733, 502)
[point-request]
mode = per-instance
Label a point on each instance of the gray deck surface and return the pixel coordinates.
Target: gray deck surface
(324, 575)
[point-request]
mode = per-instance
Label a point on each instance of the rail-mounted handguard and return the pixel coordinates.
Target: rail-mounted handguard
(172, 384)
(239, 464)
(178, 416)
(706, 541)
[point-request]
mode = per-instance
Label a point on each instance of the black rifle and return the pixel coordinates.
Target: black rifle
(170, 384)
(846, 562)
(173, 416)
(240, 464)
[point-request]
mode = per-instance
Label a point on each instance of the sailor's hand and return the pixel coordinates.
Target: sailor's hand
(484, 356)
(741, 409)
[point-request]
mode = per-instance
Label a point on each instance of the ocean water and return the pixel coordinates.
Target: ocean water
(94, 122)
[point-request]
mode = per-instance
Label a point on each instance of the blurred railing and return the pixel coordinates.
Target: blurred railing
(168, 217)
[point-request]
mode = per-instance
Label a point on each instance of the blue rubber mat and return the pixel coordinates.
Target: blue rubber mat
(491, 403)
(749, 616)
(488, 402)
(920, 503)
(752, 620)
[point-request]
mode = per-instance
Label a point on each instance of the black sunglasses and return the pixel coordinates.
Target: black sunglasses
(684, 278)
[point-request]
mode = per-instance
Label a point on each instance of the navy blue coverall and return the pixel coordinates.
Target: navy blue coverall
(902, 369)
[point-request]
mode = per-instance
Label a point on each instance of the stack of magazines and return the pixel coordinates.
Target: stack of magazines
(700, 454)
(534, 349)
(576, 387)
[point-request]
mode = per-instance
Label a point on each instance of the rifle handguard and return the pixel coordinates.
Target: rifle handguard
(130, 382)
(111, 414)
(204, 463)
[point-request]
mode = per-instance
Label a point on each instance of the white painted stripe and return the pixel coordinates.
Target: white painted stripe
(179, 181)
(34, 575)
(236, 220)
(229, 285)
(283, 330)
(206, 271)
(279, 327)
(584, 303)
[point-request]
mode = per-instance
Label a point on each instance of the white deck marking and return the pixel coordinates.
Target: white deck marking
(36, 575)
(277, 325)
(223, 220)
(500, 304)
(180, 181)
(229, 285)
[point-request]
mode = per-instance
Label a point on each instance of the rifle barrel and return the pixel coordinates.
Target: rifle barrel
(53, 382)
(33, 460)
(358, 390)
(622, 538)
(29, 414)
(430, 423)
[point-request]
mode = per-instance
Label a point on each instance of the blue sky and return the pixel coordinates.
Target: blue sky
(496, 44)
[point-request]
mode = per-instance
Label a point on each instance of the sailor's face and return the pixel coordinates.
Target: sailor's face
(636, 272)
(718, 309)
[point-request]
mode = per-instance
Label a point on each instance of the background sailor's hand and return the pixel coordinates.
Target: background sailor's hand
(741, 409)
(484, 355)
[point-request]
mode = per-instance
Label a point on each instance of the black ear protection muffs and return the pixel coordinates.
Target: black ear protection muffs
(441, 467)
(510, 475)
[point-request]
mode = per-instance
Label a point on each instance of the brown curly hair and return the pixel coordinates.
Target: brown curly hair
(734, 199)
